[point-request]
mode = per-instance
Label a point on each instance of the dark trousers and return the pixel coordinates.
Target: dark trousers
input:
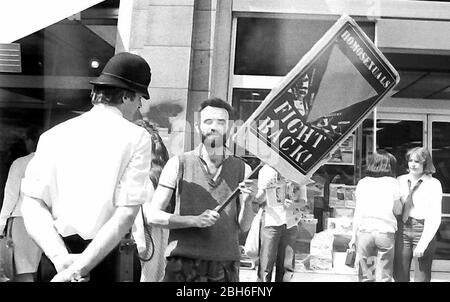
(408, 235)
(277, 246)
(183, 269)
(106, 271)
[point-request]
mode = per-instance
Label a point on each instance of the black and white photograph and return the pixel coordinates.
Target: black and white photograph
(236, 141)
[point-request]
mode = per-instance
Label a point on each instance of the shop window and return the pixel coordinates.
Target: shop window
(397, 137)
(57, 64)
(270, 46)
(440, 143)
(441, 153)
(246, 101)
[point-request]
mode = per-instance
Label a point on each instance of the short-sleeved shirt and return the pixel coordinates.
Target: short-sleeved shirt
(276, 215)
(375, 197)
(87, 166)
(12, 200)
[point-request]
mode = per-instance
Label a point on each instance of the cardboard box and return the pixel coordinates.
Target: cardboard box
(350, 203)
(318, 263)
(341, 226)
(307, 228)
(335, 203)
(321, 251)
(343, 212)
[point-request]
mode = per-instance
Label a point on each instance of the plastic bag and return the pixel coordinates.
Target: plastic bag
(251, 246)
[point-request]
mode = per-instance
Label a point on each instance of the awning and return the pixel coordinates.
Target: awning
(19, 18)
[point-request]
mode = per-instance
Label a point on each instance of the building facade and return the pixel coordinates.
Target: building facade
(239, 50)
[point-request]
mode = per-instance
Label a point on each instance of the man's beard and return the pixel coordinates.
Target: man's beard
(214, 141)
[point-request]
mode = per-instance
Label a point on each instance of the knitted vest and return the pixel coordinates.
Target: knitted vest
(199, 192)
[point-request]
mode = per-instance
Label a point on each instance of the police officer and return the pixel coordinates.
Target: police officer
(89, 176)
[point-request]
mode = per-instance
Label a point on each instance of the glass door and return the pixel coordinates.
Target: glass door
(440, 146)
(439, 142)
(397, 133)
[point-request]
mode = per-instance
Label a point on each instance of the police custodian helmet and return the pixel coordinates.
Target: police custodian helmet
(128, 71)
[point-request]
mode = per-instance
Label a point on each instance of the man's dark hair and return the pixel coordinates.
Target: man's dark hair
(218, 103)
(109, 95)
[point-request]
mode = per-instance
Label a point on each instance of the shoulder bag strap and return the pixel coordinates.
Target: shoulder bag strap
(146, 230)
(238, 198)
(179, 186)
(177, 207)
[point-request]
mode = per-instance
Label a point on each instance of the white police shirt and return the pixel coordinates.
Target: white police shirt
(87, 166)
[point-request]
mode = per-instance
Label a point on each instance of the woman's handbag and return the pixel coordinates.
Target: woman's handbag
(350, 257)
(251, 246)
(7, 253)
(126, 266)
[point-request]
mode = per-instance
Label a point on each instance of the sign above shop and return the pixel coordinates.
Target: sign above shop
(10, 58)
(319, 103)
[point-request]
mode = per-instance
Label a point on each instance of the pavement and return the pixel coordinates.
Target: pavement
(340, 272)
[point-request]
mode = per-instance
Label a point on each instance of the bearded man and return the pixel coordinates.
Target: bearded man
(203, 244)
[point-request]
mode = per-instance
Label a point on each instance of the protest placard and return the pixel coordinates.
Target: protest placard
(319, 103)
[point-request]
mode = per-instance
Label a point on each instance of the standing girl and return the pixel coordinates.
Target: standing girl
(374, 224)
(421, 195)
(153, 261)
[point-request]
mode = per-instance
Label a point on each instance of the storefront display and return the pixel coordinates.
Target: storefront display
(342, 201)
(415, 114)
(342, 196)
(345, 153)
(321, 253)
